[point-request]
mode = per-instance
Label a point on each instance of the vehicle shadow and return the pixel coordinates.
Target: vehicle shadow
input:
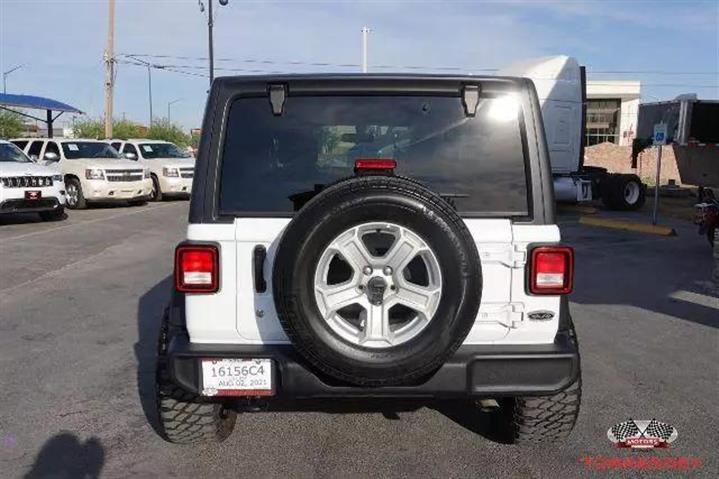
(666, 275)
(491, 425)
(150, 308)
(63, 455)
(20, 218)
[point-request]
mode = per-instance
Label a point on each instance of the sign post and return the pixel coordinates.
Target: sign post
(660, 139)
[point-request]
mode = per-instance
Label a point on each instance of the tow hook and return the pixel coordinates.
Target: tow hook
(487, 405)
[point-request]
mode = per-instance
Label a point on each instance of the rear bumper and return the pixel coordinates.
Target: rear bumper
(474, 370)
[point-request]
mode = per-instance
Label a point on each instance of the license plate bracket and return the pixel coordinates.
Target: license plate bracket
(237, 377)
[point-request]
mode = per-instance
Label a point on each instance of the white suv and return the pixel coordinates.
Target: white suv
(171, 168)
(371, 239)
(29, 188)
(93, 170)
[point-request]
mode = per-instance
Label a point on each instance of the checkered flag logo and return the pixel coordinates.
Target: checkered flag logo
(659, 429)
(624, 430)
(642, 434)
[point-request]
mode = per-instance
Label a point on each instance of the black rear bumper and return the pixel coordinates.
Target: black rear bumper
(474, 370)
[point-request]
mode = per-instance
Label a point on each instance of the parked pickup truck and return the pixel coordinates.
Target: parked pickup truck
(93, 170)
(371, 238)
(29, 188)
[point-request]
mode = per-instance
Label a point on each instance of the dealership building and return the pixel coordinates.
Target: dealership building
(612, 111)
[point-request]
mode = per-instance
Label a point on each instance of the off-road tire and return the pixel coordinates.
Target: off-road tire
(55, 215)
(612, 189)
(344, 205)
(185, 418)
(546, 419)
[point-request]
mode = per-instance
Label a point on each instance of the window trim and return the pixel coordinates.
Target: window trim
(32, 143)
(226, 214)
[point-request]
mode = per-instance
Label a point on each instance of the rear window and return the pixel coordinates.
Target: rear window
(275, 164)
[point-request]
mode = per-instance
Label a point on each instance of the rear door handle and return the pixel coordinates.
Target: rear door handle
(258, 266)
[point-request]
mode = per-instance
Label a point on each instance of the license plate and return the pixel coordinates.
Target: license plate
(237, 377)
(33, 195)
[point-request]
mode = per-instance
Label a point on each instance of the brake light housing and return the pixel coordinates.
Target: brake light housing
(197, 268)
(375, 166)
(551, 270)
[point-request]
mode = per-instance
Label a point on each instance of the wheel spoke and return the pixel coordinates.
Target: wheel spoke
(402, 252)
(354, 251)
(339, 296)
(418, 298)
(376, 326)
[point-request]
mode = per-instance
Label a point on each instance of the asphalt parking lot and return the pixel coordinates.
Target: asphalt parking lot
(80, 301)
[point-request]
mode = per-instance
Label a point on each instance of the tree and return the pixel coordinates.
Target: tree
(95, 128)
(88, 128)
(195, 141)
(167, 131)
(11, 124)
(124, 129)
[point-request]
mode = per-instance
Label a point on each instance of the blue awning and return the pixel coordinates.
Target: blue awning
(35, 102)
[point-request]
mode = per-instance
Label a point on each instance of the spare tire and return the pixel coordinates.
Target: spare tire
(377, 281)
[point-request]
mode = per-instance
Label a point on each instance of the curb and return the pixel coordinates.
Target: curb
(583, 209)
(628, 226)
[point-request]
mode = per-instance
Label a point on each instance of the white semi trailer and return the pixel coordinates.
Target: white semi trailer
(561, 86)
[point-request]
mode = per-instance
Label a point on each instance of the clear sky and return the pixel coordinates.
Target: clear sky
(671, 46)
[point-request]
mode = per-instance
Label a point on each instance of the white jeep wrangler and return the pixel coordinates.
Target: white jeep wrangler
(171, 169)
(93, 170)
(370, 238)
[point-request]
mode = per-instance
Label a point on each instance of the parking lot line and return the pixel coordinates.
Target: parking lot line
(696, 298)
(96, 220)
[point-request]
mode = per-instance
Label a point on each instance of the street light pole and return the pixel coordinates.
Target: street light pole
(169, 104)
(109, 67)
(5, 75)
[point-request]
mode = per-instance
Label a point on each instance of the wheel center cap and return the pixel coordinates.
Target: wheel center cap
(375, 290)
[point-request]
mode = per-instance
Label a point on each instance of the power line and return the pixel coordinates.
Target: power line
(409, 67)
(183, 69)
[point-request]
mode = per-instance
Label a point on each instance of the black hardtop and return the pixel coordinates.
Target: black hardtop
(225, 90)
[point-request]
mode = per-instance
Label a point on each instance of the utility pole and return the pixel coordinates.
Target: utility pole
(365, 32)
(109, 68)
(149, 89)
(210, 25)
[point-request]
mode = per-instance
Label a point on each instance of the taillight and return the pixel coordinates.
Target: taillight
(383, 165)
(197, 268)
(551, 270)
